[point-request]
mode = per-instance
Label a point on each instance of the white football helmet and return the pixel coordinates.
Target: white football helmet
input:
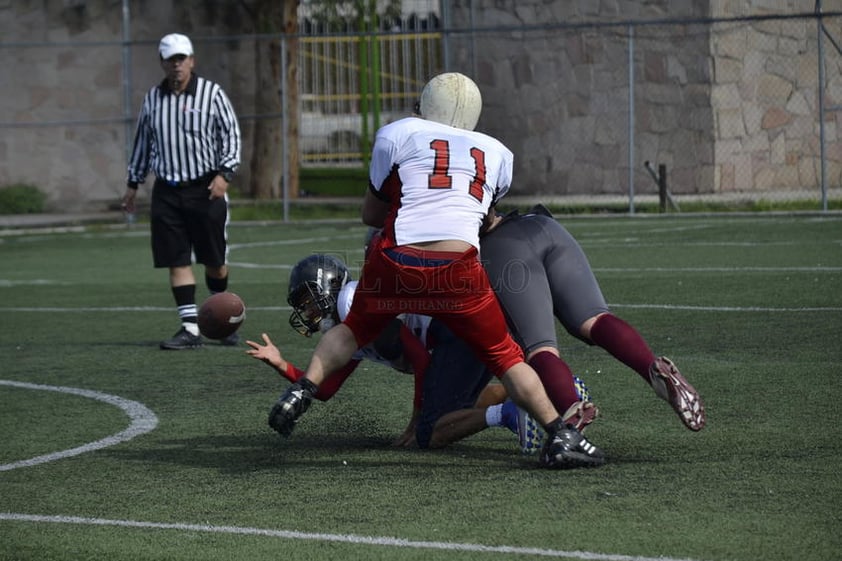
(452, 99)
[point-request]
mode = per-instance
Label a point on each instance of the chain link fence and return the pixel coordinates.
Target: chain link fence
(351, 85)
(680, 109)
(675, 110)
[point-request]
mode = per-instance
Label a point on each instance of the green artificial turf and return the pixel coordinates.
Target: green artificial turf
(749, 307)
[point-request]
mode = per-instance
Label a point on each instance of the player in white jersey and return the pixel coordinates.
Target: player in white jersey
(439, 166)
(433, 181)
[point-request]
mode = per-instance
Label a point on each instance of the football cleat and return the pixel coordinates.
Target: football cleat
(231, 341)
(672, 387)
(581, 389)
(183, 339)
(567, 449)
(580, 415)
(529, 432)
(290, 406)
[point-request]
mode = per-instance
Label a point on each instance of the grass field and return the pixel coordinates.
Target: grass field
(172, 458)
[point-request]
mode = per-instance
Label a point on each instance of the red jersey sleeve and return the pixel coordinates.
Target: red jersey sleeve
(330, 386)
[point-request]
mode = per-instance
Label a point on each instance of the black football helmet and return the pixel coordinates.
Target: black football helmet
(314, 284)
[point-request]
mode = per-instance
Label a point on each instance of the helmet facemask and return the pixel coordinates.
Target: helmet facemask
(315, 283)
(312, 309)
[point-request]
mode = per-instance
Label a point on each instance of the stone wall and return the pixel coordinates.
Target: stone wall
(64, 88)
(729, 107)
(765, 101)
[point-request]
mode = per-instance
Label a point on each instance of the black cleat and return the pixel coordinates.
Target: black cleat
(183, 339)
(290, 406)
(568, 449)
(231, 341)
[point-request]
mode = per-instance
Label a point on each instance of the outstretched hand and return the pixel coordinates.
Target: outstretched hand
(268, 353)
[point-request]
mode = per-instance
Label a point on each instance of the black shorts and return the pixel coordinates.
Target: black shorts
(453, 380)
(185, 225)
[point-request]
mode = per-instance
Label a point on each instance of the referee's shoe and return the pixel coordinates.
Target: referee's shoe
(183, 339)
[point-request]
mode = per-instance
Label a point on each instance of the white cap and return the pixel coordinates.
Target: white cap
(453, 99)
(175, 44)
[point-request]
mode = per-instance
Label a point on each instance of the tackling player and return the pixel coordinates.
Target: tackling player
(536, 254)
(320, 294)
(540, 273)
(432, 182)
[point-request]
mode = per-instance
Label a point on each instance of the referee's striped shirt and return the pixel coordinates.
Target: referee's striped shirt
(184, 137)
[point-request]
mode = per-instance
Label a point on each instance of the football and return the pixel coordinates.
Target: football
(221, 315)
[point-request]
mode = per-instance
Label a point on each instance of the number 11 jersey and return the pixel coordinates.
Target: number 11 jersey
(439, 180)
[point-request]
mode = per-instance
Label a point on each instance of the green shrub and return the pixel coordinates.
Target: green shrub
(334, 182)
(21, 199)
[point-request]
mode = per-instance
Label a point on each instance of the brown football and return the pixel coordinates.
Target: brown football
(221, 315)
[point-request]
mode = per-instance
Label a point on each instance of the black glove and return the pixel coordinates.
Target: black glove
(291, 405)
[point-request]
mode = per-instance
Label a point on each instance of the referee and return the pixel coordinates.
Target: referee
(188, 136)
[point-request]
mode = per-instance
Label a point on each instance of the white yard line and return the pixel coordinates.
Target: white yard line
(340, 538)
(142, 419)
(114, 309)
(738, 309)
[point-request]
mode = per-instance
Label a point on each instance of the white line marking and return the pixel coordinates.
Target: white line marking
(287, 308)
(5, 283)
(143, 420)
(271, 243)
(8, 283)
(723, 308)
(719, 269)
(131, 309)
(638, 242)
(243, 265)
(341, 538)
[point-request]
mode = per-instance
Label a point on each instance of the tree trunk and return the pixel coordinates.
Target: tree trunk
(267, 156)
(292, 99)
